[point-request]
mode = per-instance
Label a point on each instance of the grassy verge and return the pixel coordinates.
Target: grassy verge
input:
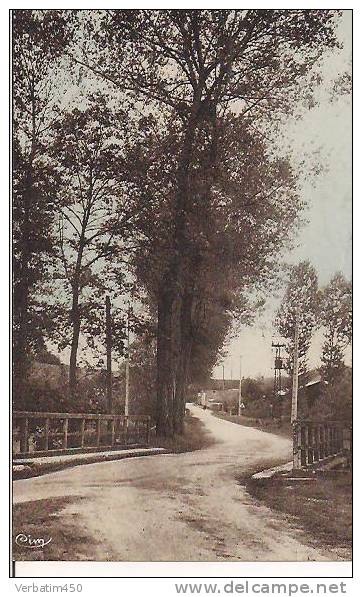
(195, 437)
(46, 519)
(322, 506)
(276, 426)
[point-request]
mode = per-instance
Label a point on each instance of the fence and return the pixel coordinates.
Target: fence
(315, 441)
(41, 434)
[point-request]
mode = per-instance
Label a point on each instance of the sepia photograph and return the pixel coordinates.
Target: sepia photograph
(181, 187)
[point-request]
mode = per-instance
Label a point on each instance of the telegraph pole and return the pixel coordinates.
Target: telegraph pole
(294, 413)
(239, 402)
(223, 377)
(278, 366)
(109, 356)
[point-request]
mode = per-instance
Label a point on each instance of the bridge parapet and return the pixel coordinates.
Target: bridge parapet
(317, 441)
(42, 433)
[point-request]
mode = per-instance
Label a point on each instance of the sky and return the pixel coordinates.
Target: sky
(326, 239)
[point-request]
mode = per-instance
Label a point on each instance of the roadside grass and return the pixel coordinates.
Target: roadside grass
(322, 505)
(45, 519)
(276, 426)
(195, 437)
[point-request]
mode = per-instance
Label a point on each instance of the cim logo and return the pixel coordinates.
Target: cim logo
(30, 542)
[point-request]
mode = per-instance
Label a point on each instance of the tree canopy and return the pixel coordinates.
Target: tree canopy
(335, 316)
(162, 176)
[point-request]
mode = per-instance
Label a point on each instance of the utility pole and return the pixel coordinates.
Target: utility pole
(294, 413)
(109, 356)
(126, 403)
(278, 366)
(223, 377)
(239, 402)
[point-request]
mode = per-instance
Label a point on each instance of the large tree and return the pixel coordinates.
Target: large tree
(194, 70)
(300, 303)
(335, 316)
(232, 240)
(38, 38)
(96, 219)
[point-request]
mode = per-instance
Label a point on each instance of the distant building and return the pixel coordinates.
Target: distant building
(219, 399)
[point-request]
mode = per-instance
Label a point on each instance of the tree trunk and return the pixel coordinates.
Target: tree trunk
(167, 346)
(183, 362)
(75, 318)
(21, 343)
(21, 300)
(21, 355)
(109, 356)
(174, 320)
(169, 312)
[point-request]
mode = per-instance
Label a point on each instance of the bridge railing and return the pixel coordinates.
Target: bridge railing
(315, 441)
(42, 433)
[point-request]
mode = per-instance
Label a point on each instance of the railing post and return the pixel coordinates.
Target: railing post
(125, 430)
(65, 433)
(24, 436)
(148, 431)
(308, 441)
(314, 443)
(338, 439)
(303, 445)
(326, 440)
(331, 446)
(322, 442)
(98, 431)
(347, 439)
(317, 443)
(297, 463)
(82, 430)
(113, 432)
(46, 436)
(350, 441)
(333, 440)
(138, 434)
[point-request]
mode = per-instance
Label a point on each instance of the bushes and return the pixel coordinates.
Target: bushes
(46, 389)
(335, 401)
(259, 408)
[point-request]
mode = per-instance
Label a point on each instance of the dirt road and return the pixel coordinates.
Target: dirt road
(179, 507)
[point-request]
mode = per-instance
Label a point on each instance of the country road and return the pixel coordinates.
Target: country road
(177, 507)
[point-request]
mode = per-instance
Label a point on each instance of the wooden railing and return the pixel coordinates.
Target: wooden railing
(40, 433)
(315, 441)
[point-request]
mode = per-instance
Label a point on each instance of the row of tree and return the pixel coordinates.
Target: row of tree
(328, 308)
(143, 165)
